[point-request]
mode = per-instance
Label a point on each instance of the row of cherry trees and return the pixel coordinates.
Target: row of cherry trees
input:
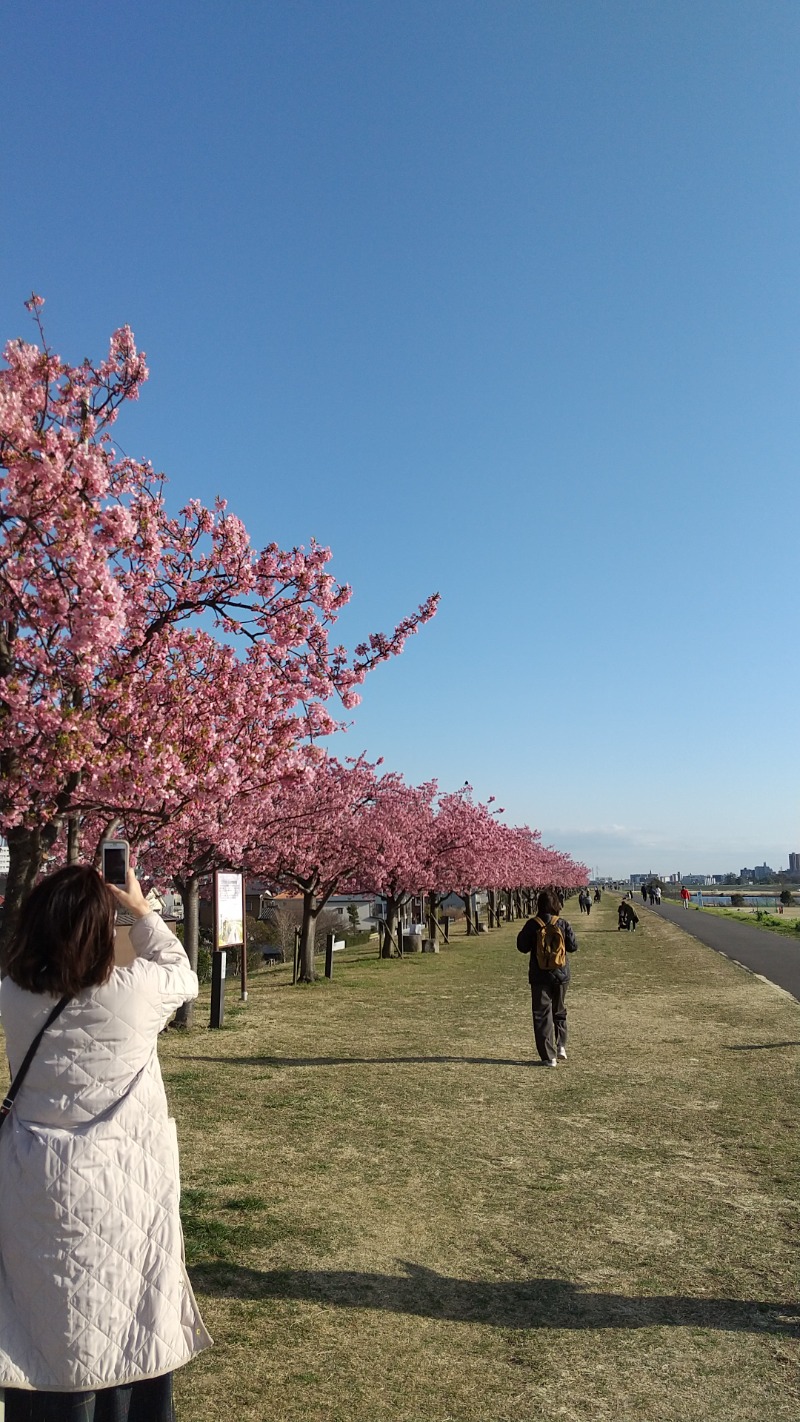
(161, 676)
(347, 828)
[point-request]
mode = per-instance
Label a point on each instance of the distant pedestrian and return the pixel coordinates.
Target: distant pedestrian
(685, 896)
(548, 939)
(658, 895)
(644, 893)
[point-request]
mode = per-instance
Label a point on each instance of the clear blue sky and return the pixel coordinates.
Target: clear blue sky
(496, 298)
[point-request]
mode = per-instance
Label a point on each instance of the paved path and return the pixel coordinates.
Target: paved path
(769, 954)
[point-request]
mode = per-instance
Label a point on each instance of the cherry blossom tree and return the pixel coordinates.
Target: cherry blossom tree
(313, 838)
(218, 737)
(103, 597)
(400, 826)
(527, 866)
(464, 848)
(471, 849)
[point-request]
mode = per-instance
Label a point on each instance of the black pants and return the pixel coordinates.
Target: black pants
(548, 1001)
(146, 1401)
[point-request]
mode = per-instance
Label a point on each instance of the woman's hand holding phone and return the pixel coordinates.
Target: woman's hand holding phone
(131, 897)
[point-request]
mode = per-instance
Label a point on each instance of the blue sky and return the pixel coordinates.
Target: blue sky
(499, 299)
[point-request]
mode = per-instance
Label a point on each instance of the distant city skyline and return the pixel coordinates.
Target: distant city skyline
(612, 852)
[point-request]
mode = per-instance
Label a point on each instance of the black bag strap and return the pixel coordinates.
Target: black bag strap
(29, 1056)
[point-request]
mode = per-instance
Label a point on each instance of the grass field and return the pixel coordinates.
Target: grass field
(787, 923)
(391, 1217)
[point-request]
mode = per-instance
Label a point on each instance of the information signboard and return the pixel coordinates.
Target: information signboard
(228, 910)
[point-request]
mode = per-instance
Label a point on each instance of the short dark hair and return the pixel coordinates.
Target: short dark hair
(549, 901)
(64, 938)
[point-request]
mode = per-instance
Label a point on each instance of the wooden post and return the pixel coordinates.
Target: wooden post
(329, 939)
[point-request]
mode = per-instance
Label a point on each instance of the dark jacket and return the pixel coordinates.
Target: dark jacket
(526, 943)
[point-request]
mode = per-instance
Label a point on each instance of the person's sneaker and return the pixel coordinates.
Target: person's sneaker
(548, 1064)
(562, 1054)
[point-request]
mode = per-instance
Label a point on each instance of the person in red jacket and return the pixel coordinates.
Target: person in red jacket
(685, 895)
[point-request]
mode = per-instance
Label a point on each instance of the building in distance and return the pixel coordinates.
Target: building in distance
(762, 874)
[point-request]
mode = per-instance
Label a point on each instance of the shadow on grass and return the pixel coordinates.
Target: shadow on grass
(527, 1303)
(359, 1061)
(761, 1046)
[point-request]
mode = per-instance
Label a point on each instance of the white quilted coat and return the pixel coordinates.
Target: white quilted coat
(93, 1288)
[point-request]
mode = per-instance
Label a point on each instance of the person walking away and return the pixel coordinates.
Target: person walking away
(644, 893)
(548, 939)
(96, 1308)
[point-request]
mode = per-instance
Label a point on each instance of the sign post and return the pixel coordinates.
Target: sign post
(229, 921)
(244, 940)
(219, 959)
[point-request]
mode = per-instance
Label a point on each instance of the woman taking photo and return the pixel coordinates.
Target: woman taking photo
(96, 1309)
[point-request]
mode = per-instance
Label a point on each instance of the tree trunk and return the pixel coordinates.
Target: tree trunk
(25, 853)
(73, 839)
(466, 900)
(307, 935)
(189, 890)
(391, 930)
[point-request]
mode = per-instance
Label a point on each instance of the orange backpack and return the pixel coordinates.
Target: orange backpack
(551, 950)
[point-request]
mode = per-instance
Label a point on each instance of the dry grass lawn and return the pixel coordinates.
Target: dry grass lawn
(391, 1217)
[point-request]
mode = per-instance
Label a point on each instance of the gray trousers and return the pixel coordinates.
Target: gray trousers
(147, 1401)
(548, 1001)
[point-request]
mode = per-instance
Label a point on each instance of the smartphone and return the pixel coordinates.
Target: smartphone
(115, 857)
